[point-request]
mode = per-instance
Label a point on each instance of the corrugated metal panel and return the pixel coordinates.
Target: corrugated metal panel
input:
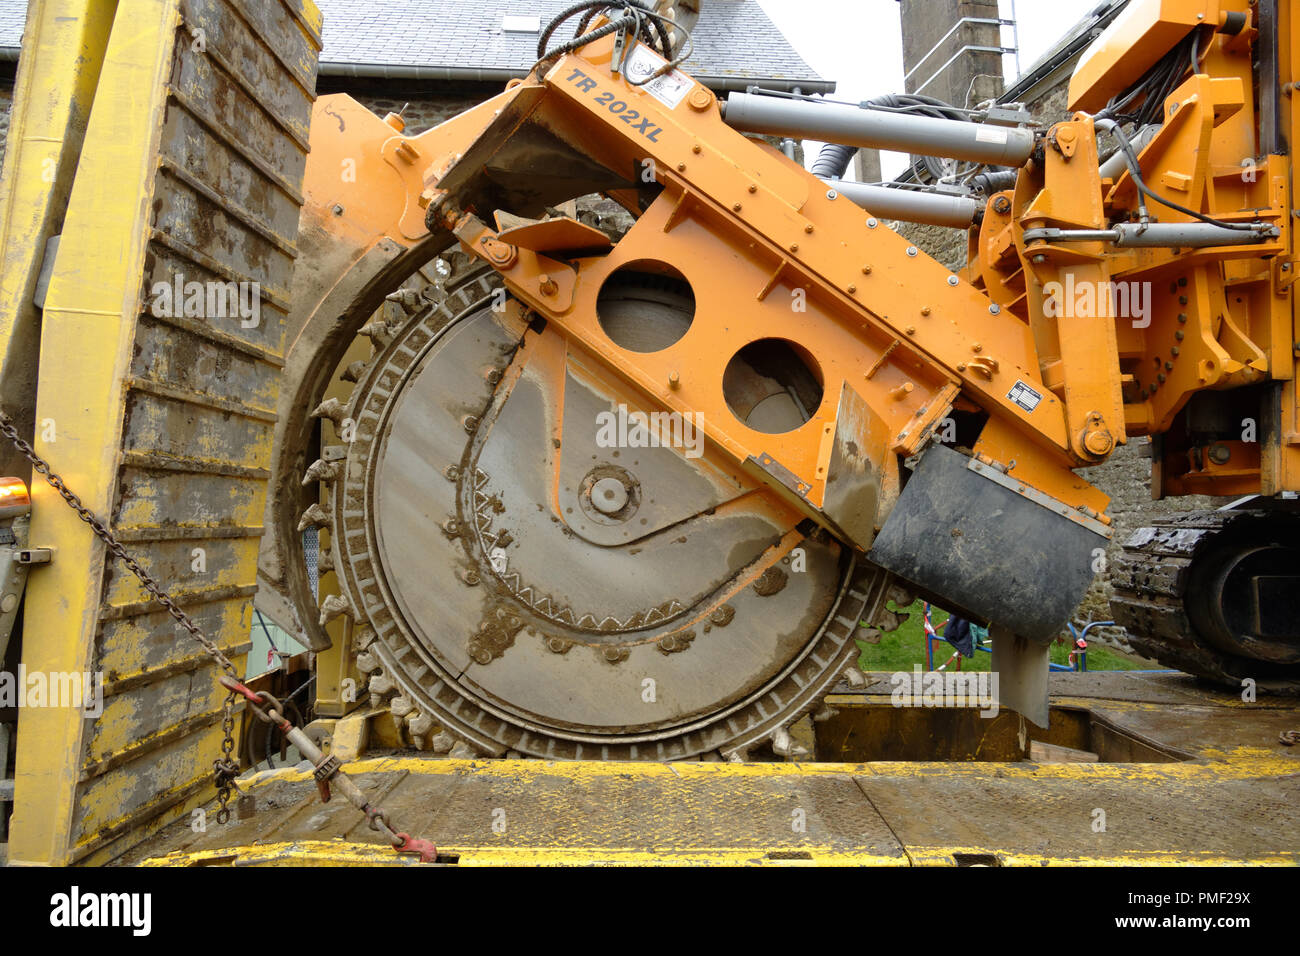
(183, 403)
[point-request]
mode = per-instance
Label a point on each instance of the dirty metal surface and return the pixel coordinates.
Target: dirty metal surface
(1027, 814)
(1210, 804)
(1175, 712)
(1005, 558)
(668, 620)
(522, 811)
(161, 355)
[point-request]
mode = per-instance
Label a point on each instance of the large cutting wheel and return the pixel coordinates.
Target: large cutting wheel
(531, 574)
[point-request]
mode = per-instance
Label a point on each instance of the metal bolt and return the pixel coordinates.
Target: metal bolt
(338, 210)
(547, 284)
(866, 270)
(995, 309)
(681, 167)
(794, 247)
(872, 223)
(674, 380)
(926, 310)
(753, 188)
(609, 496)
(953, 280)
(1038, 260)
(736, 207)
(912, 251)
(695, 148)
(808, 228)
(852, 289)
(976, 347)
(910, 330)
(832, 195)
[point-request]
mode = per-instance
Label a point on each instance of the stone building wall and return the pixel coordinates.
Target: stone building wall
(420, 114)
(6, 105)
(974, 75)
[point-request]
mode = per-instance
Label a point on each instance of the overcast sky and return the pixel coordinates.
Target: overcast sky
(857, 42)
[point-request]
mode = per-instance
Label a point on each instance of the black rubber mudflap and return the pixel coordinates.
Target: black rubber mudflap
(989, 552)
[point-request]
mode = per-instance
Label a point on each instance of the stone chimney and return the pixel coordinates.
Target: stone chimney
(944, 57)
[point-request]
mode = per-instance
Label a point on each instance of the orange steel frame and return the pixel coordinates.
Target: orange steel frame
(749, 229)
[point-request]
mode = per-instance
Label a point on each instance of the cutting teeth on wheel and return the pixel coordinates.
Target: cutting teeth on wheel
(473, 374)
(325, 563)
(890, 620)
(871, 635)
(326, 471)
(826, 712)
(377, 332)
(381, 684)
(332, 409)
(419, 724)
(333, 606)
(853, 674)
(314, 517)
(408, 299)
(353, 372)
(901, 596)
(783, 744)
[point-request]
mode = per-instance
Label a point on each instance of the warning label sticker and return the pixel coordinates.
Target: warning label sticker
(991, 134)
(1024, 396)
(668, 89)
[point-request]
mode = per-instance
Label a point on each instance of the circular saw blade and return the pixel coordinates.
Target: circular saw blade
(531, 586)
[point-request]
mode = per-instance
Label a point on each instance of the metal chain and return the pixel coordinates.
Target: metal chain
(225, 768)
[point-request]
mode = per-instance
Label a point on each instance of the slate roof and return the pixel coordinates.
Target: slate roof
(13, 13)
(735, 42)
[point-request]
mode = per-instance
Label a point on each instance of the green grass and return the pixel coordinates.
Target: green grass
(905, 647)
